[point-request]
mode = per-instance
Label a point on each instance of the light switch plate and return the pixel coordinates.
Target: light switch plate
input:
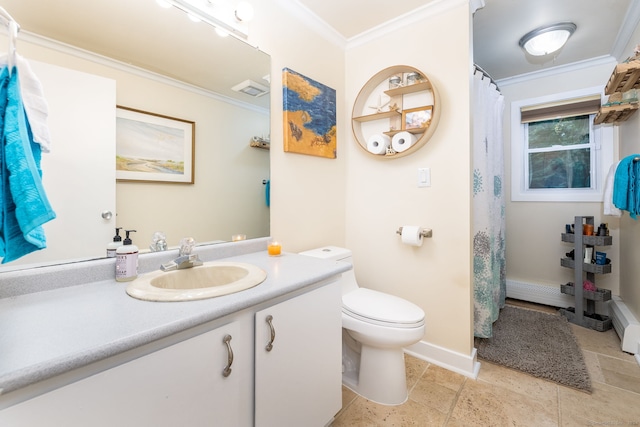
(424, 177)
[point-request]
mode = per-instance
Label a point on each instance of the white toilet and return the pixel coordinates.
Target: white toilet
(375, 328)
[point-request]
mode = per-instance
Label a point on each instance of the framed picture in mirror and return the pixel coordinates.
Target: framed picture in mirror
(417, 118)
(154, 148)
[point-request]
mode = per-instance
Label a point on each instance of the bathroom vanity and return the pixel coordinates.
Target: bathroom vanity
(91, 355)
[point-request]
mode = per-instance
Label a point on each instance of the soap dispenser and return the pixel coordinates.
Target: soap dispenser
(127, 260)
(117, 242)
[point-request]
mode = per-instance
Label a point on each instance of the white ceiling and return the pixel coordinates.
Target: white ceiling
(500, 24)
(352, 17)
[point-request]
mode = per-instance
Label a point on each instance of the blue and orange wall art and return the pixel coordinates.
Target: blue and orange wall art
(309, 116)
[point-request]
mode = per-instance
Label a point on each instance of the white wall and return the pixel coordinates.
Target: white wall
(307, 192)
(534, 248)
(382, 194)
(629, 228)
(359, 201)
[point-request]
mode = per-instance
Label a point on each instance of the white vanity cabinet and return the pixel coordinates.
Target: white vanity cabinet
(298, 360)
(180, 385)
(296, 383)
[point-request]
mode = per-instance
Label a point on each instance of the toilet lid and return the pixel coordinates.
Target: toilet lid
(381, 307)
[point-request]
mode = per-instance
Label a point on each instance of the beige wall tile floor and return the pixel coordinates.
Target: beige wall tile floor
(505, 397)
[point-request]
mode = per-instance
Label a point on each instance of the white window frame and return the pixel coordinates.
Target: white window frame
(601, 155)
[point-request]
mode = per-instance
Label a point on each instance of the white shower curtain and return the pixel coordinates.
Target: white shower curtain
(488, 205)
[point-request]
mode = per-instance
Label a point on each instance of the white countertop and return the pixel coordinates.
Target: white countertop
(50, 332)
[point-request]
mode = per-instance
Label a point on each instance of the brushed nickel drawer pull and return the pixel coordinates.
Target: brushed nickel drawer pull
(227, 370)
(269, 346)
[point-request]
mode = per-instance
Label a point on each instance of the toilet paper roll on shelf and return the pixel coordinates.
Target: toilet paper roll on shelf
(402, 141)
(412, 234)
(378, 144)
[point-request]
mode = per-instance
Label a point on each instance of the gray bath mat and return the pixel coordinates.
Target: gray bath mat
(539, 344)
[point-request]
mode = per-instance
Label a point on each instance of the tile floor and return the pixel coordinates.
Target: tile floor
(505, 397)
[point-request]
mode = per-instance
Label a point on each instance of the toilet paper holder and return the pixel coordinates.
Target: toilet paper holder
(424, 232)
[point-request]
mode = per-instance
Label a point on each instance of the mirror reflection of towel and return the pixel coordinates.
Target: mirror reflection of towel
(267, 192)
(25, 207)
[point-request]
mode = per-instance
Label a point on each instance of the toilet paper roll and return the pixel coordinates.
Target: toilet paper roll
(411, 235)
(378, 144)
(402, 141)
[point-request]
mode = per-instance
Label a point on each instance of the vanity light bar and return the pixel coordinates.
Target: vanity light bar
(219, 15)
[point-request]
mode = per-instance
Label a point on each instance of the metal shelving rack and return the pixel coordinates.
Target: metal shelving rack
(581, 315)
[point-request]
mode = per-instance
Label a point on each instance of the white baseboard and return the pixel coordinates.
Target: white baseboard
(466, 365)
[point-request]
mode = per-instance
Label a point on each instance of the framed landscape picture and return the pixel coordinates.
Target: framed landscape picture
(154, 148)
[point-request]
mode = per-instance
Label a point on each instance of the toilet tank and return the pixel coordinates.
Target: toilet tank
(336, 253)
(329, 252)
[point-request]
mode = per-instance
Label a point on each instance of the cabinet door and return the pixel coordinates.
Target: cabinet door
(181, 385)
(298, 382)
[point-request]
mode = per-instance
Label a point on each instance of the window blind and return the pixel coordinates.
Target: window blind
(560, 109)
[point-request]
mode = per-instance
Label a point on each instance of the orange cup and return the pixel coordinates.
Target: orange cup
(587, 229)
(274, 248)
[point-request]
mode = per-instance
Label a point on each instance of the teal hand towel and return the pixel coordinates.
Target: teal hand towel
(626, 188)
(25, 205)
(4, 181)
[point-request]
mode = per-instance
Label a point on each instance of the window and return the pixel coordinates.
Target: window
(557, 152)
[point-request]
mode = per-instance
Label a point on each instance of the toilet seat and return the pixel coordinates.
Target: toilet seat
(382, 309)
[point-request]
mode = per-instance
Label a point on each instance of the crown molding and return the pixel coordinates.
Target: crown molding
(38, 40)
(429, 10)
(628, 27)
(313, 22)
(475, 5)
(560, 69)
(322, 28)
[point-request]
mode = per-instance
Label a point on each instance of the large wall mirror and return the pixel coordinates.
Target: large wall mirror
(144, 57)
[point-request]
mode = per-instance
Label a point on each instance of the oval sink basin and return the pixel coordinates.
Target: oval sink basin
(211, 279)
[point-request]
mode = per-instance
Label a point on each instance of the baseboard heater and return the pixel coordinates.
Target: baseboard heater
(540, 294)
(626, 325)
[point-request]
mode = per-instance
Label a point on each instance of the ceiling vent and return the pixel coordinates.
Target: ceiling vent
(251, 88)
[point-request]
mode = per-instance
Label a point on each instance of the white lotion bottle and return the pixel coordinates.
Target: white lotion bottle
(127, 260)
(113, 246)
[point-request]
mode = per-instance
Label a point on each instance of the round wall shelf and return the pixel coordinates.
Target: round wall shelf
(396, 112)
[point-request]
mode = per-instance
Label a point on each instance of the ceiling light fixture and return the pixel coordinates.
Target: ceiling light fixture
(545, 40)
(225, 16)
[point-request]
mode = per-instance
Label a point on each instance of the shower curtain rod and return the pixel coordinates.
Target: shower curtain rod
(485, 74)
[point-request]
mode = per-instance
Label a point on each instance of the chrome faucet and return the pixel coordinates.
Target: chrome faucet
(185, 258)
(186, 246)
